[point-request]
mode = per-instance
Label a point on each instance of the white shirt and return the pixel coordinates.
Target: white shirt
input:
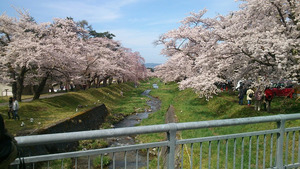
(15, 105)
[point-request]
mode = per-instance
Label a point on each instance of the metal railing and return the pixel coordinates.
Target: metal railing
(279, 148)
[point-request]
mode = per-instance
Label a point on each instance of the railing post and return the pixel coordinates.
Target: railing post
(172, 145)
(280, 140)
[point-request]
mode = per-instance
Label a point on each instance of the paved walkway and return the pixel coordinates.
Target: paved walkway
(41, 97)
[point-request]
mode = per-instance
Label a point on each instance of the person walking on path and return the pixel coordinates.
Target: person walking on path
(258, 98)
(268, 98)
(15, 109)
(249, 94)
(10, 108)
(8, 149)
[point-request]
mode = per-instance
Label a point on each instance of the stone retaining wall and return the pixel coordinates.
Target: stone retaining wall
(87, 120)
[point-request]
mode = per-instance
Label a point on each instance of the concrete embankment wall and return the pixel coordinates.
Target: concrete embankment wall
(87, 120)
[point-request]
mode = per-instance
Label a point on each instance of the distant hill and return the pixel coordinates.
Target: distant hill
(151, 65)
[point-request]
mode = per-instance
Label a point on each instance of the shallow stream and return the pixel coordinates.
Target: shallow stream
(131, 121)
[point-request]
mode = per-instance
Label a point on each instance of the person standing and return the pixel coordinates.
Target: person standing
(258, 98)
(8, 149)
(268, 98)
(16, 108)
(10, 108)
(249, 94)
(241, 95)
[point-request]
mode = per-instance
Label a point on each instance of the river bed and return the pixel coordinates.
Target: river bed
(131, 121)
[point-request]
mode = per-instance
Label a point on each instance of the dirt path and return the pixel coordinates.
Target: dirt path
(41, 97)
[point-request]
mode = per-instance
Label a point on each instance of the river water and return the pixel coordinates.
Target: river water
(135, 119)
(131, 121)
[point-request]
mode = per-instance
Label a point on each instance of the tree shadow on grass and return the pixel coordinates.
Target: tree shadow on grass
(68, 100)
(198, 101)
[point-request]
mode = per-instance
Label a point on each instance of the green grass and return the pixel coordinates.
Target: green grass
(64, 163)
(48, 111)
(106, 160)
(189, 107)
(4, 99)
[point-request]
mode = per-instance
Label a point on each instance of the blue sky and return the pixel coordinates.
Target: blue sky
(136, 23)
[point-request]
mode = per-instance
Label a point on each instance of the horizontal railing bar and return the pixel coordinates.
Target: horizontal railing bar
(237, 121)
(88, 135)
(224, 137)
(295, 165)
(96, 134)
(292, 129)
(50, 157)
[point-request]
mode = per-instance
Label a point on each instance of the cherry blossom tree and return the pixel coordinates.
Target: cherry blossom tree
(59, 53)
(259, 42)
(134, 67)
(63, 51)
(125, 65)
(98, 53)
(18, 38)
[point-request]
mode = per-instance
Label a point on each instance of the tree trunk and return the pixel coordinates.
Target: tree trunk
(110, 81)
(94, 81)
(98, 82)
(14, 85)
(67, 85)
(20, 83)
(105, 82)
(88, 81)
(40, 88)
(52, 89)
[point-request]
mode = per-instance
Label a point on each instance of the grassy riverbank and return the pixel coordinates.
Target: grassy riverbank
(50, 110)
(189, 107)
